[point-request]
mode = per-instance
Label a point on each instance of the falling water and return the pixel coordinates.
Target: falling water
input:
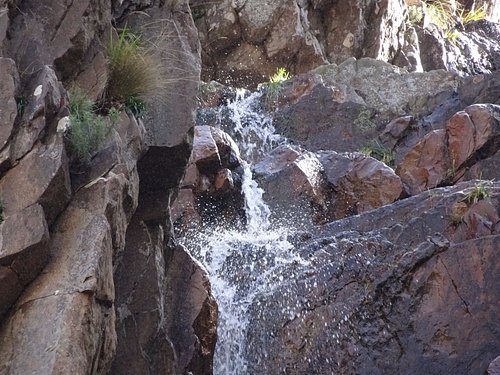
(243, 264)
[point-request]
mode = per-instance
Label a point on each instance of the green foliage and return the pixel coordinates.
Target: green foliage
(478, 192)
(379, 152)
(134, 68)
(21, 103)
(87, 131)
(275, 85)
(280, 76)
(136, 106)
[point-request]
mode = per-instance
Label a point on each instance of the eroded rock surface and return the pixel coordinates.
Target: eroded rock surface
(393, 289)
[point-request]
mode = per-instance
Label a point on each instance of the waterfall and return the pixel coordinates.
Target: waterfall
(244, 264)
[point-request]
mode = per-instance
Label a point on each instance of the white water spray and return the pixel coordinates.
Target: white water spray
(244, 264)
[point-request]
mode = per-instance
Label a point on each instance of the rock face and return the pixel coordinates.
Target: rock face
(92, 280)
(210, 192)
(245, 41)
(445, 154)
(390, 290)
(356, 103)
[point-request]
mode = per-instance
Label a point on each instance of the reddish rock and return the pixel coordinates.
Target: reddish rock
(468, 131)
(358, 183)
(278, 159)
(446, 155)
(426, 165)
(205, 153)
(293, 185)
(224, 180)
(246, 41)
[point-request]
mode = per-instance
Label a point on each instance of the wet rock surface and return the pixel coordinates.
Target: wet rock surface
(394, 289)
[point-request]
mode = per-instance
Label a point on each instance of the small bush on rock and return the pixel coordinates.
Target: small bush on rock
(87, 130)
(478, 192)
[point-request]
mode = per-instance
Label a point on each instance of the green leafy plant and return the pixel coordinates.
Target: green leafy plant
(87, 130)
(136, 106)
(478, 192)
(135, 69)
(275, 85)
(379, 152)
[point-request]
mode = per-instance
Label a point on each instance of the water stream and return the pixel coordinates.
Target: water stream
(248, 263)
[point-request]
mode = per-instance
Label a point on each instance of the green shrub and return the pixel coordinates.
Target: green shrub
(136, 106)
(135, 70)
(275, 85)
(87, 130)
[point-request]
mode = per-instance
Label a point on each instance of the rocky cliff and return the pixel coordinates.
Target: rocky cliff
(92, 281)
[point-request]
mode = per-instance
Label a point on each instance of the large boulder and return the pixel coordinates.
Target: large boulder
(358, 183)
(294, 186)
(445, 155)
(392, 290)
(211, 189)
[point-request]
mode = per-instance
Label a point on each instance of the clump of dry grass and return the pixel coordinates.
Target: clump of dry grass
(135, 69)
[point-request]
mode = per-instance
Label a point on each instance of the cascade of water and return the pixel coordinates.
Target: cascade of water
(242, 264)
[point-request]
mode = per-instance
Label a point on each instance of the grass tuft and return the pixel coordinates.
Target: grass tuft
(135, 70)
(87, 131)
(478, 192)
